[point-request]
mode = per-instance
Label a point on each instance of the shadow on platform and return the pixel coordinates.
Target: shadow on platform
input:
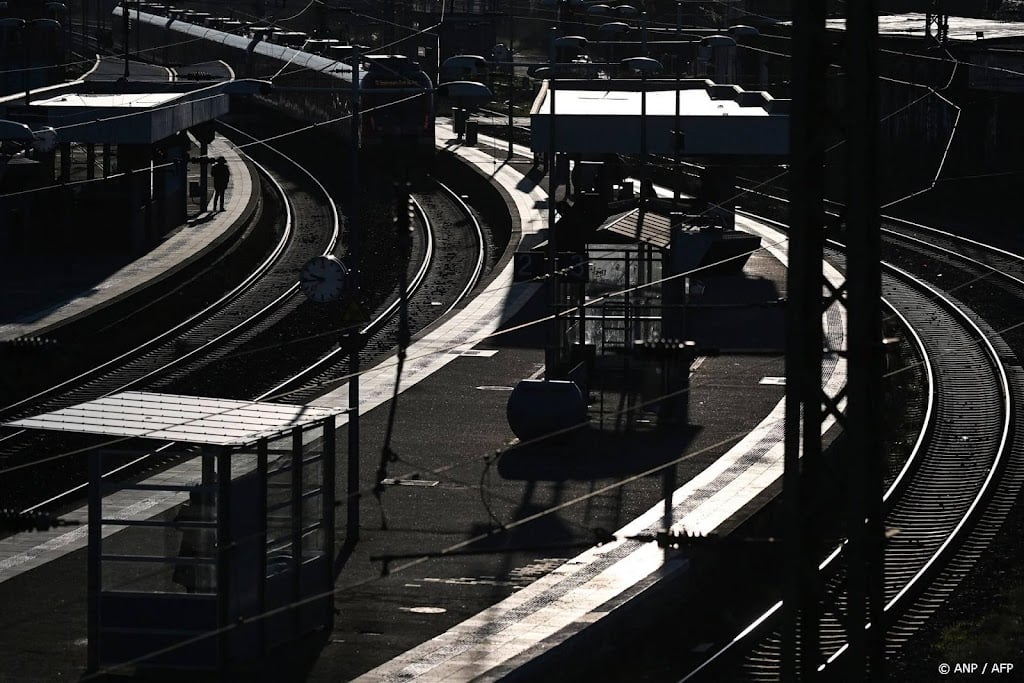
(592, 453)
(291, 663)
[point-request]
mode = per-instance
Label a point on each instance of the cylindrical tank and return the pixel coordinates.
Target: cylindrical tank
(540, 408)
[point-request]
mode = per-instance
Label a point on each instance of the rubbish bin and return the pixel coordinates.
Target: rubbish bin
(459, 117)
(471, 133)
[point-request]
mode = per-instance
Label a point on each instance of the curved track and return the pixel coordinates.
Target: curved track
(941, 494)
(311, 227)
(448, 262)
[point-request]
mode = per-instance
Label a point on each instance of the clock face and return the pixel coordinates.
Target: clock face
(323, 278)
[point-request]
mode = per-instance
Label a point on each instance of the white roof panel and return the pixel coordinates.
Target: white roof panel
(171, 417)
(692, 102)
(130, 100)
(710, 120)
(913, 24)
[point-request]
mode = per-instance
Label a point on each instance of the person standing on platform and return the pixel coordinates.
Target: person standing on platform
(221, 175)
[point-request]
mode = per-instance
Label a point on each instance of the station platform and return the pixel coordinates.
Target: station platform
(704, 478)
(476, 557)
(45, 292)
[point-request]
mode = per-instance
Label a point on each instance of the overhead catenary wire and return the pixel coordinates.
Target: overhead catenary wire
(541, 320)
(453, 549)
(407, 567)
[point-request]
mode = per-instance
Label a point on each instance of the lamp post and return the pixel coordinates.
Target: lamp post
(464, 92)
(26, 28)
(553, 346)
(468, 94)
(613, 29)
(57, 9)
(126, 21)
(511, 75)
(13, 24)
(644, 66)
(352, 510)
(676, 133)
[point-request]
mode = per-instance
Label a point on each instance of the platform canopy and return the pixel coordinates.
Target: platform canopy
(171, 417)
(596, 117)
(149, 107)
(960, 29)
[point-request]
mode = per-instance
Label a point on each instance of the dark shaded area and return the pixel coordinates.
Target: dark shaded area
(592, 454)
(290, 663)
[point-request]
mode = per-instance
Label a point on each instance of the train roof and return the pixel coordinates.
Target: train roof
(293, 57)
(283, 53)
(392, 63)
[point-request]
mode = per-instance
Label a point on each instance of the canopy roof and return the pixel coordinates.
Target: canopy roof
(171, 417)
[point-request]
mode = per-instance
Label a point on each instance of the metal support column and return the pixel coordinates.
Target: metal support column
(126, 21)
(225, 557)
(864, 568)
(90, 161)
(551, 351)
(801, 606)
(327, 506)
(936, 22)
(261, 512)
(352, 508)
(296, 530)
(95, 550)
(809, 500)
(511, 78)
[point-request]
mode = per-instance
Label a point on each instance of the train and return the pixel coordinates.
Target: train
(395, 95)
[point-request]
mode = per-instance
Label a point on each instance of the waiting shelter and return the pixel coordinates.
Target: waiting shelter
(617, 263)
(109, 145)
(226, 552)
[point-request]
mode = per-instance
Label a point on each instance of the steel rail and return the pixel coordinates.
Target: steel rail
(336, 355)
(478, 232)
(165, 336)
(953, 536)
(268, 263)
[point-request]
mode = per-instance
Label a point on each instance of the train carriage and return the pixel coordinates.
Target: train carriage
(396, 96)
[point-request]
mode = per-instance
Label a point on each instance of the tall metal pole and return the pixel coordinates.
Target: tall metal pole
(677, 134)
(127, 24)
(28, 62)
(352, 509)
(865, 356)
(804, 343)
(94, 580)
(511, 75)
(551, 347)
(805, 495)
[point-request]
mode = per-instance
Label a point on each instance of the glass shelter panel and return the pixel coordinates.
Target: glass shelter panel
(623, 296)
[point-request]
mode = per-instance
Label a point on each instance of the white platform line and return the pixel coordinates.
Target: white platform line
(480, 317)
(476, 648)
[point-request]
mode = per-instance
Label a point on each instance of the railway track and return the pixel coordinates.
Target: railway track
(242, 331)
(449, 250)
(950, 497)
(268, 295)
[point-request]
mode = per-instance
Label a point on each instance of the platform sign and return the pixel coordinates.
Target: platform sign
(573, 266)
(528, 265)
